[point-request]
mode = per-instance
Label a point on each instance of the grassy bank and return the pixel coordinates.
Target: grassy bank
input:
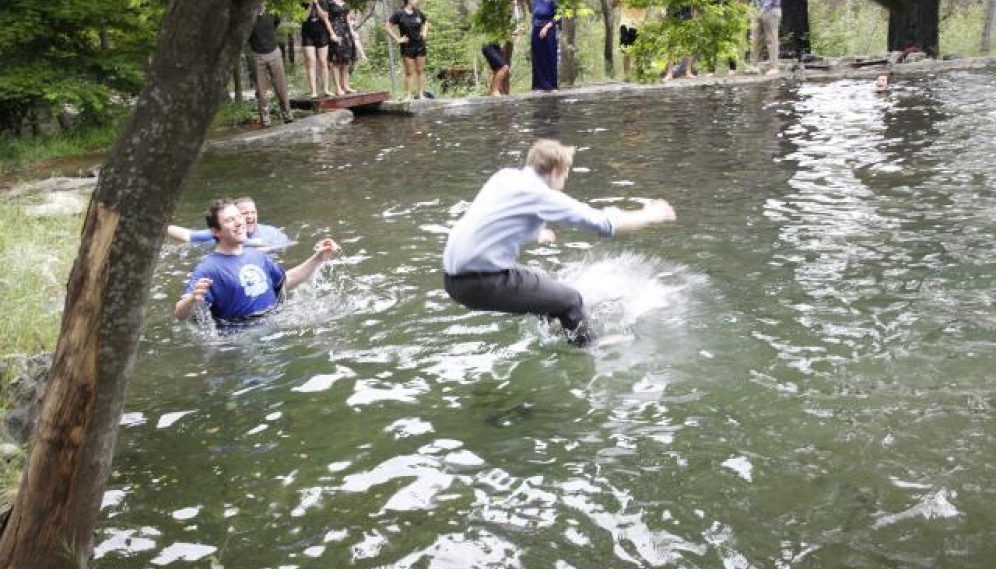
(36, 253)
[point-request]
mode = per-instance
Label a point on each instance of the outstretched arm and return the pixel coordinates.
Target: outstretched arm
(324, 250)
(654, 212)
(178, 233)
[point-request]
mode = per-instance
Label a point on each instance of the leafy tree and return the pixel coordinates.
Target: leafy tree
(717, 32)
(83, 53)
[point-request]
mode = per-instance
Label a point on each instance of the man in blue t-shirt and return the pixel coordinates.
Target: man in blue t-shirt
(265, 237)
(239, 283)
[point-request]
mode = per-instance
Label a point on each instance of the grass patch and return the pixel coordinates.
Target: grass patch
(26, 157)
(36, 254)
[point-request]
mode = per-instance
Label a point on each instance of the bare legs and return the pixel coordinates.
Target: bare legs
(340, 73)
(498, 81)
(311, 53)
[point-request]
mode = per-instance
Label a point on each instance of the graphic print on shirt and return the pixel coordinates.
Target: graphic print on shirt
(253, 281)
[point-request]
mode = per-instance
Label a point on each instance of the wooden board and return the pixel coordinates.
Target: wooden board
(351, 100)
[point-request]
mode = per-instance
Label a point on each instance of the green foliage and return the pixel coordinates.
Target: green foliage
(717, 31)
(87, 54)
(859, 28)
(494, 20)
(961, 31)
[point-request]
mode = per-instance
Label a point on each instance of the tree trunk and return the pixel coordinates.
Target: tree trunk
(568, 71)
(987, 27)
(237, 78)
(52, 522)
(506, 83)
(916, 25)
(608, 49)
(794, 29)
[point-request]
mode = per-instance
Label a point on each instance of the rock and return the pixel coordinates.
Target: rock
(25, 391)
(915, 56)
(308, 129)
(952, 57)
(57, 184)
(59, 203)
(9, 450)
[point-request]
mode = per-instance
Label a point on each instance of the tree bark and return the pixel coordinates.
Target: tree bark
(568, 69)
(915, 25)
(794, 28)
(52, 522)
(608, 49)
(987, 27)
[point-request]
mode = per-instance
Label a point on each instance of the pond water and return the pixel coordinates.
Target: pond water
(800, 372)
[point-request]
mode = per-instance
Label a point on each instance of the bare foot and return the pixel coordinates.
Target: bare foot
(329, 94)
(350, 90)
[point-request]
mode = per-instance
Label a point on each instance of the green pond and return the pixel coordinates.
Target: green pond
(797, 374)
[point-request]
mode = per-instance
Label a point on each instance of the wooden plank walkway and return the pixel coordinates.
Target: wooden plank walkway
(358, 101)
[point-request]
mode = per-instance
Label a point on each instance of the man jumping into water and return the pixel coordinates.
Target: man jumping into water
(240, 283)
(512, 209)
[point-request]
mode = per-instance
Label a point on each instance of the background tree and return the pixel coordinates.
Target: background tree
(57, 506)
(915, 24)
(794, 28)
(987, 27)
(84, 53)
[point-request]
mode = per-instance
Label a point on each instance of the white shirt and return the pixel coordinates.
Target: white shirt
(510, 210)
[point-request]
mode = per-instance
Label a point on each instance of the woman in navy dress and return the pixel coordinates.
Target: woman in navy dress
(544, 45)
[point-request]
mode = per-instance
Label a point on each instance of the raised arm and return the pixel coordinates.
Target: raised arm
(324, 250)
(185, 306)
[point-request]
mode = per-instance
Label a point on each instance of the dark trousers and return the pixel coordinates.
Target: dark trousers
(523, 291)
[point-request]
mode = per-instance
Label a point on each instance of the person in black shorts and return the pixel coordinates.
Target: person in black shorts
(499, 68)
(316, 34)
(412, 30)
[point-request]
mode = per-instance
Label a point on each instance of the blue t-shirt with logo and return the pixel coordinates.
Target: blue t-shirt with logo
(264, 236)
(242, 286)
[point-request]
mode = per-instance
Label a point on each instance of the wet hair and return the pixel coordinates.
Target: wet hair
(548, 156)
(214, 210)
(243, 199)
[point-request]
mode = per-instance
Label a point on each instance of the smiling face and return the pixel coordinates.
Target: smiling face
(248, 210)
(231, 230)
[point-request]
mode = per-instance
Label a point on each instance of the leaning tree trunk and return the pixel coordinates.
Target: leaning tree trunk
(608, 49)
(568, 70)
(794, 29)
(987, 27)
(52, 522)
(916, 25)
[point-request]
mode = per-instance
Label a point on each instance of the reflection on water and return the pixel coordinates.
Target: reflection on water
(797, 374)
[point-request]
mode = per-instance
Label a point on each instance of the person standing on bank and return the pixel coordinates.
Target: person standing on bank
(343, 53)
(765, 33)
(413, 30)
(512, 209)
(544, 45)
(267, 58)
(238, 283)
(316, 34)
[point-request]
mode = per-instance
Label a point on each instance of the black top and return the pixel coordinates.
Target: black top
(263, 39)
(409, 24)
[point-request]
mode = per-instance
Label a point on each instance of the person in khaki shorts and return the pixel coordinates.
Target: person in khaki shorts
(266, 58)
(769, 17)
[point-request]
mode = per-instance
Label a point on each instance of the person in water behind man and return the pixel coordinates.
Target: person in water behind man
(239, 283)
(258, 234)
(512, 209)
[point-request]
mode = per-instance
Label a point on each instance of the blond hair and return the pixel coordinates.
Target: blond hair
(548, 156)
